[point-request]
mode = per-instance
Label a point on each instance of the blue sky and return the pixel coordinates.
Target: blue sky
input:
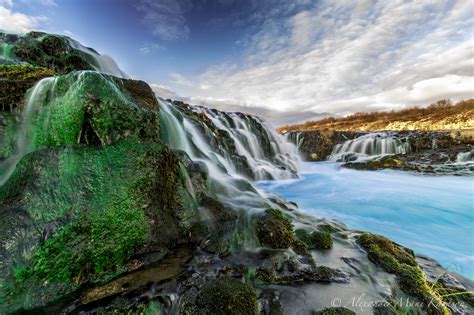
(286, 60)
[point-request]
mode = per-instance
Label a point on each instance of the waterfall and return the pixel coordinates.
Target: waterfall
(465, 157)
(369, 145)
(234, 147)
(42, 92)
(295, 137)
(101, 63)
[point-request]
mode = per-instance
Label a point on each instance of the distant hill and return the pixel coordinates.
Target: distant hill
(442, 115)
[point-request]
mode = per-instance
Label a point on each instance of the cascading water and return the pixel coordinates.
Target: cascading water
(227, 143)
(370, 145)
(295, 137)
(465, 157)
(48, 121)
(39, 94)
(101, 63)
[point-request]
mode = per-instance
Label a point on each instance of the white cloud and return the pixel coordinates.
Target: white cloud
(165, 18)
(150, 48)
(16, 22)
(342, 57)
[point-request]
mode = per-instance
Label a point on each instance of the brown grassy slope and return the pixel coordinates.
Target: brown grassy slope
(442, 115)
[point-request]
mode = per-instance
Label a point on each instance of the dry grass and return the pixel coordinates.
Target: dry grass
(442, 115)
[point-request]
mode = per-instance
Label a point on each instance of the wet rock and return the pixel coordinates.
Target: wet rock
(450, 281)
(223, 296)
(274, 230)
(401, 261)
(15, 80)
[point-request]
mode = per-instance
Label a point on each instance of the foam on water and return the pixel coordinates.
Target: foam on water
(433, 215)
(370, 145)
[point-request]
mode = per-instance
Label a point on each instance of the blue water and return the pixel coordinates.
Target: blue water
(433, 215)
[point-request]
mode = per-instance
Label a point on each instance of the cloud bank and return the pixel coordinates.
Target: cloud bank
(341, 57)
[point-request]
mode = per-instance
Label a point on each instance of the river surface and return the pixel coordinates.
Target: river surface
(433, 215)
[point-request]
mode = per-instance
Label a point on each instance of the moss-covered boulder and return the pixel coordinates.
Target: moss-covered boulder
(89, 108)
(275, 230)
(97, 187)
(401, 261)
(316, 239)
(226, 296)
(58, 53)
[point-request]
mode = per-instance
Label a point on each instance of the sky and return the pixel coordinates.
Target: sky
(288, 61)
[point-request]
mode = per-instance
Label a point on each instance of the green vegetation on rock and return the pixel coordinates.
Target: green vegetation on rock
(54, 52)
(275, 230)
(15, 80)
(315, 240)
(226, 296)
(401, 261)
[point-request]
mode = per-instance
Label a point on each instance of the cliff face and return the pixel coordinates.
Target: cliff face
(114, 201)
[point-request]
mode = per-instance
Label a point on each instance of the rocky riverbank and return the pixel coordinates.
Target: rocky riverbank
(114, 201)
(443, 152)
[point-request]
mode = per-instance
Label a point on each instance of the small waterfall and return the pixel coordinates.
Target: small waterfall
(40, 94)
(101, 63)
(370, 145)
(294, 137)
(465, 157)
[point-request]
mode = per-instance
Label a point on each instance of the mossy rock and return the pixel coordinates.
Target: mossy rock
(315, 240)
(98, 187)
(401, 261)
(335, 311)
(275, 230)
(89, 108)
(54, 52)
(321, 240)
(15, 80)
(265, 275)
(226, 296)
(327, 228)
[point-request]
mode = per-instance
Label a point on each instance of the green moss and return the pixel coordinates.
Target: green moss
(315, 240)
(107, 206)
(386, 253)
(227, 296)
(275, 230)
(327, 228)
(335, 311)
(24, 72)
(304, 237)
(50, 51)
(15, 80)
(86, 107)
(323, 273)
(321, 240)
(453, 295)
(401, 262)
(265, 275)
(8, 133)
